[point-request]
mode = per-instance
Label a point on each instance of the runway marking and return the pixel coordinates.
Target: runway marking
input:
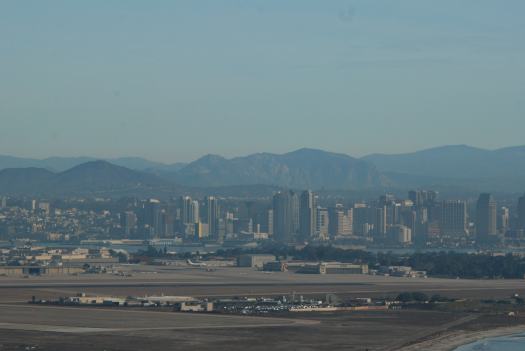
(78, 330)
(52, 328)
(207, 321)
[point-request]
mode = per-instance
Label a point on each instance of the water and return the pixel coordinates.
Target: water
(504, 343)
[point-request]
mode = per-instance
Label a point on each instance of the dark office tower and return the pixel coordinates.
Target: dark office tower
(152, 216)
(422, 197)
(361, 220)
(285, 216)
(393, 214)
(307, 215)
(434, 212)
(416, 221)
(213, 213)
(295, 214)
(379, 218)
(410, 220)
(386, 199)
(486, 221)
(415, 197)
(521, 213)
(128, 222)
(454, 218)
(182, 205)
(168, 223)
(431, 197)
(186, 206)
(266, 221)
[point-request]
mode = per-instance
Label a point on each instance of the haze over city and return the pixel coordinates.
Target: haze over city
(262, 175)
(174, 80)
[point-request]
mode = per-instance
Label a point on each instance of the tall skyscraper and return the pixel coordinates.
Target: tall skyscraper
(422, 197)
(152, 217)
(504, 220)
(307, 215)
(340, 221)
(486, 220)
(168, 223)
(128, 222)
(348, 227)
(269, 222)
(295, 214)
(199, 232)
(186, 210)
(195, 215)
(409, 219)
(380, 224)
(454, 218)
(323, 223)
(413, 195)
(213, 213)
(285, 216)
(521, 213)
(361, 220)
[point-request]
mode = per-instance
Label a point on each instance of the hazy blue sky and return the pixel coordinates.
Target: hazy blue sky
(172, 80)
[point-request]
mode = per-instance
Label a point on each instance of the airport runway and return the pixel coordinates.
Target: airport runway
(149, 280)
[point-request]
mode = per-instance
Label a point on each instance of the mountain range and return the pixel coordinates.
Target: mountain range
(93, 177)
(448, 167)
(455, 161)
(60, 164)
(304, 169)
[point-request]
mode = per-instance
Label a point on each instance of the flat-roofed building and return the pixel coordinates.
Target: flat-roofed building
(454, 218)
(333, 268)
(254, 260)
(275, 266)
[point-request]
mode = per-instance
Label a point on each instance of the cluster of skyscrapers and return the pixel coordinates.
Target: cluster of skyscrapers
(298, 217)
(419, 219)
(191, 218)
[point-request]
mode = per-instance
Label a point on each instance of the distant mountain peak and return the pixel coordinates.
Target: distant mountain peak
(303, 168)
(212, 157)
(96, 163)
(308, 150)
(208, 159)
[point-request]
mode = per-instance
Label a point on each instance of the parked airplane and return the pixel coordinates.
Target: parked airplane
(196, 264)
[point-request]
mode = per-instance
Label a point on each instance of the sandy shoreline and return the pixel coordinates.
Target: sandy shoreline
(451, 341)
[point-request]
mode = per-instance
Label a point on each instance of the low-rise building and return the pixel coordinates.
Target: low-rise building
(343, 268)
(254, 260)
(333, 268)
(38, 270)
(275, 266)
(195, 306)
